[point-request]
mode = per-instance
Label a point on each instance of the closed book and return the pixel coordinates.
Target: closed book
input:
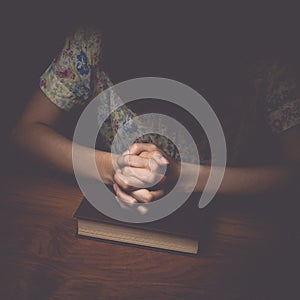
(180, 231)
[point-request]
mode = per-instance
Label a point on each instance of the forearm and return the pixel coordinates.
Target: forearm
(45, 143)
(241, 181)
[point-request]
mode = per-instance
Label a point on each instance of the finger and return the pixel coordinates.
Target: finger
(145, 154)
(123, 196)
(128, 183)
(133, 161)
(152, 163)
(126, 152)
(137, 148)
(157, 155)
(143, 175)
(145, 196)
(160, 159)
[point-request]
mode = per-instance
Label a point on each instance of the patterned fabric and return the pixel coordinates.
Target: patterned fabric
(75, 77)
(279, 92)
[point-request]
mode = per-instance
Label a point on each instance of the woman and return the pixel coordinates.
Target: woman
(76, 76)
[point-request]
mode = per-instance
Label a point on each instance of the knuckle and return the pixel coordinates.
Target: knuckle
(134, 147)
(131, 160)
(156, 152)
(126, 160)
(125, 185)
(116, 178)
(148, 197)
(121, 161)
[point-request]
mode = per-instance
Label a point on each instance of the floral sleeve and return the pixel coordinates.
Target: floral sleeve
(75, 77)
(67, 81)
(279, 91)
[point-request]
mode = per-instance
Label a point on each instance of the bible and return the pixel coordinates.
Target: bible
(180, 231)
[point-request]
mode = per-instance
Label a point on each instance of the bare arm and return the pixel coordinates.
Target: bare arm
(247, 181)
(263, 179)
(35, 133)
(238, 181)
(254, 180)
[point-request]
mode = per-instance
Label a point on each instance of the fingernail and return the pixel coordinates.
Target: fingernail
(161, 159)
(114, 187)
(126, 152)
(164, 160)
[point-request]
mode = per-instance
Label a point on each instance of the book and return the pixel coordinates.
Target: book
(180, 231)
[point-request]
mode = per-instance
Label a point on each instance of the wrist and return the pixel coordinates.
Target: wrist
(105, 166)
(172, 174)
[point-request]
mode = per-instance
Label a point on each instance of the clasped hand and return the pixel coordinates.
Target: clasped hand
(144, 174)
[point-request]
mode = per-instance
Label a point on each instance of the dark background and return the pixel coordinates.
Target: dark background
(255, 249)
(196, 43)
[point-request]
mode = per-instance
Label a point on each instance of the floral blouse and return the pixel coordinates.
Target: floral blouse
(279, 92)
(75, 77)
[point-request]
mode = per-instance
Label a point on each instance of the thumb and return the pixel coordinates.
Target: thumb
(161, 160)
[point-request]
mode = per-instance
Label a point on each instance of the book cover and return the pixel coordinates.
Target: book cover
(179, 231)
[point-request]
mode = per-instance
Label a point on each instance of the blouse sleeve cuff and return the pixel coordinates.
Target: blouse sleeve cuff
(57, 92)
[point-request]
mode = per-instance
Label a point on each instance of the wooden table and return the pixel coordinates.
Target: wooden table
(251, 250)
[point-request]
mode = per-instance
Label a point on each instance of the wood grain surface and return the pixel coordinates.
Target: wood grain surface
(250, 250)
